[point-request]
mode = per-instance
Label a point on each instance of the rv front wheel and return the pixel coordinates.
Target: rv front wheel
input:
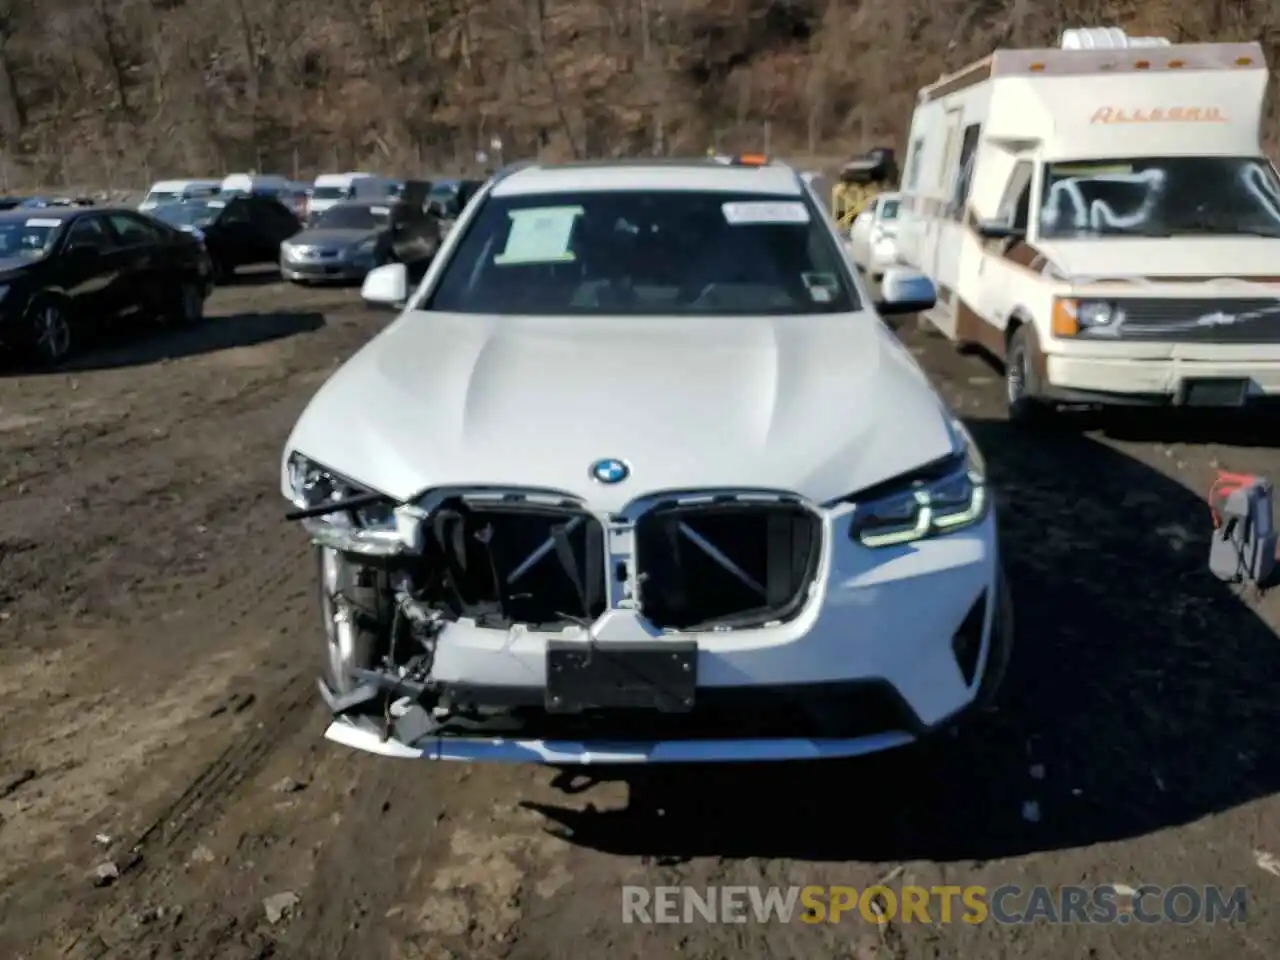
(1021, 386)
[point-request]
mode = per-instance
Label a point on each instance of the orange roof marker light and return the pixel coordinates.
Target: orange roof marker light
(751, 160)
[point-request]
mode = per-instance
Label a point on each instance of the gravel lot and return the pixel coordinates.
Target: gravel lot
(159, 640)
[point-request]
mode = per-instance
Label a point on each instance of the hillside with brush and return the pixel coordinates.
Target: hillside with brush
(120, 92)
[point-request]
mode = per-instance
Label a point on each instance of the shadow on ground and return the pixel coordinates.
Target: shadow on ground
(131, 348)
(1141, 685)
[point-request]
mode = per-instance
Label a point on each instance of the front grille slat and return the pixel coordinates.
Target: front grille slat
(1198, 320)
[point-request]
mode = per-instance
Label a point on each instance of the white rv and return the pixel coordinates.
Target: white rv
(1101, 217)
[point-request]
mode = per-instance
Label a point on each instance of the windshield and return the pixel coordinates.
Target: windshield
(31, 239)
(353, 217)
(650, 252)
(200, 213)
(443, 190)
(1160, 197)
(889, 209)
(330, 193)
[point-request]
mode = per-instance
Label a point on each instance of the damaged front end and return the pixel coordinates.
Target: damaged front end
(520, 616)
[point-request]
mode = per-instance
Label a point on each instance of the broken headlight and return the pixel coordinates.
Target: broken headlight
(368, 526)
(942, 498)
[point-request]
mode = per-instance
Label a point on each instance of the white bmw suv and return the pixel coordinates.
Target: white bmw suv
(639, 475)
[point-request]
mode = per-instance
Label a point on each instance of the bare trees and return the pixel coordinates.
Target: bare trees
(165, 86)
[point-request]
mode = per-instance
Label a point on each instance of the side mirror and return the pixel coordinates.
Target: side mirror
(903, 290)
(386, 286)
(999, 230)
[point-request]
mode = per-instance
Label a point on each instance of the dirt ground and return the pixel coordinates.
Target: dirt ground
(159, 641)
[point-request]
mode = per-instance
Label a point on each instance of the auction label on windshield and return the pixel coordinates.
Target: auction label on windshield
(45, 222)
(540, 235)
(761, 211)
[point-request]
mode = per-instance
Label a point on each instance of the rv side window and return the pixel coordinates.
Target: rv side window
(964, 173)
(1015, 205)
(913, 163)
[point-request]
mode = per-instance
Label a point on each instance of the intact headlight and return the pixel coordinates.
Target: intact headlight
(364, 248)
(939, 499)
(1071, 317)
(369, 527)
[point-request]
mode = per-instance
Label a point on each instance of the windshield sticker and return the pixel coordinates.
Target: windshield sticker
(755, 211)
(380, 211)
(540, 235)
(43, 222)
(216, 203)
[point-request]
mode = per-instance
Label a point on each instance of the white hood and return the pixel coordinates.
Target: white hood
(821, 405)
(1206, 257)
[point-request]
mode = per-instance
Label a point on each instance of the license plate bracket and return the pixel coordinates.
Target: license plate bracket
(659, 675)
(1213, 392)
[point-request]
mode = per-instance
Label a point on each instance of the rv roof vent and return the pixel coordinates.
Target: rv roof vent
(1106, 38)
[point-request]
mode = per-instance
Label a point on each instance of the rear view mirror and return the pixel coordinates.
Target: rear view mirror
(903, 290)
(386, 287)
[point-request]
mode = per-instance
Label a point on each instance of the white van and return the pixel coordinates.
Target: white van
(333, 188)
(255, 183)
(1102, 218)
(174, 191)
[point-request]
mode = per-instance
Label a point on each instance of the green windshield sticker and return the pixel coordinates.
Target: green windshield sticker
(540, 235)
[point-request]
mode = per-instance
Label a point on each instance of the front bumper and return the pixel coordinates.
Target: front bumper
(871, 663)
(1151, 381)
(324, 270)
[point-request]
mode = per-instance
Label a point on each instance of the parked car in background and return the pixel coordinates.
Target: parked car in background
(448, 197)
(66, 270)
(873, 238)
(172, 191)
(330, 189)
(346, 241)
(239, 183)
(238, 232)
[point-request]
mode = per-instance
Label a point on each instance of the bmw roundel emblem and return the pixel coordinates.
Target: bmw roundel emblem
(610, 470)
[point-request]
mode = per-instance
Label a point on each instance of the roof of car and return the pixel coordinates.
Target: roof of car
(49, 213)
(694, 175)
(385, 202)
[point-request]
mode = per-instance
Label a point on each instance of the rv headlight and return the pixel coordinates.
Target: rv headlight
(939, 499)
(368, 529)
(1070, 317)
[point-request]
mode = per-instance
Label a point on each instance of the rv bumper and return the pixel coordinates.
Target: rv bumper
(1164, 381)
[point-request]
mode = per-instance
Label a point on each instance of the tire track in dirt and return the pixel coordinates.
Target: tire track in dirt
(180, 520)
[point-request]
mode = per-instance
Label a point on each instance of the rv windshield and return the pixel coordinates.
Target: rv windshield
(1160, 197)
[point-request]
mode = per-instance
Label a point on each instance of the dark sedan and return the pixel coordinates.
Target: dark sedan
(64, 270)
(346, 241)
(242, 231)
